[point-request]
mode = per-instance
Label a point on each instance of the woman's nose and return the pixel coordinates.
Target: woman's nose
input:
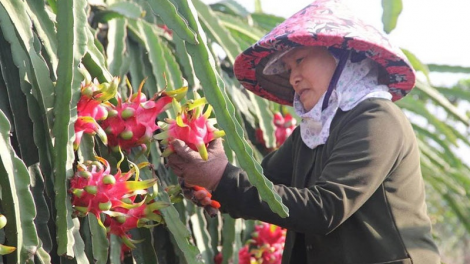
(294, 78)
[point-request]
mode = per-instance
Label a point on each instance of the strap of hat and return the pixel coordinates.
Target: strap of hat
(342, 57)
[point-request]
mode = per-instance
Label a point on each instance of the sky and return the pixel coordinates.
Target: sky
(435, 32)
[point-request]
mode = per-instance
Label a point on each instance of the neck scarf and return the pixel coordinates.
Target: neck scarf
(357, 82)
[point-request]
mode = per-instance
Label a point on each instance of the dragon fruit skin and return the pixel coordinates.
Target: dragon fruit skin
(91, 107)
(285, 125)
(190, 126)
(133, 122)
(95, 190)
(269, 234)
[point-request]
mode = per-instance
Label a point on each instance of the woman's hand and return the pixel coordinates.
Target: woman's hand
(188, 164)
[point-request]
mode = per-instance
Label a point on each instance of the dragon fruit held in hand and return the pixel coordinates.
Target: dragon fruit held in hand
(192, 126)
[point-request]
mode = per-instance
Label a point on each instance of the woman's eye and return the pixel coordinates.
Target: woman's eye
(299, 60)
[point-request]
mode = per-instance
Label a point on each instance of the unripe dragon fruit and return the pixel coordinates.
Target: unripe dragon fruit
(284, 127)
(131, 123)
(91, 107)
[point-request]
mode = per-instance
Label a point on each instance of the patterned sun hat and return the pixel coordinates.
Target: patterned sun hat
(327, 23)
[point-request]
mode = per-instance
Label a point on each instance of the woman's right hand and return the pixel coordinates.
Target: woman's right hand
(188, 164)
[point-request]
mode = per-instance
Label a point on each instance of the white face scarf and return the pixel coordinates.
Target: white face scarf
(358, 81)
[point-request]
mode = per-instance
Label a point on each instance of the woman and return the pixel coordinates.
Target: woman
(350, 172)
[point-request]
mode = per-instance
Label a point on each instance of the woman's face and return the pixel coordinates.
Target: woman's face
(311, 69)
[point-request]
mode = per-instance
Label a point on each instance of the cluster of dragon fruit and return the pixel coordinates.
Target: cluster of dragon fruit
(264, 247)
(121, 201)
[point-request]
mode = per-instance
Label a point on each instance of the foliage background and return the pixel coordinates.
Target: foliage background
(42, 44)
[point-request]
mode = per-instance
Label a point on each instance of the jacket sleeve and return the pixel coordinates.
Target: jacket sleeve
(366, 149)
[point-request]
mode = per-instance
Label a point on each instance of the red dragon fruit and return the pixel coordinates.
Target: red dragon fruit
(284, 127)
(95, 190)
(269, 234)
(131, 123)
(121, 220)
(191, 126)
(91, 107)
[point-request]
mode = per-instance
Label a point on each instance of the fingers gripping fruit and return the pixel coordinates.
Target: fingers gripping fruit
(196, 129)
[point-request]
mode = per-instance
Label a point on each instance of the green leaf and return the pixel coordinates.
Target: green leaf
(261, 110)
(17, 101)
(99, 240)
(391, 11)
(417, 64)
(32, 68)
(144, 252)
(71, 33)
(230, 7)
(153, 44)
(45, 28)
(201, 235)
(184, 61)
(250, 33)
(418, 107)
(19, 209)
(178, 230)
(116, 49)
(173, 69)
(215, 93)
(440, 100)
(217, 32)
(136, 66)
(78, 246)
(258, 8)
(43, 215)
(115, 251)
(266, 21)
(448, 68)
(118, 10)
(168, 12)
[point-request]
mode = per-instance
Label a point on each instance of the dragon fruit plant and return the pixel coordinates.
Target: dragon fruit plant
(121, 200)
(93, 106)
(131, 123)
(193, 127)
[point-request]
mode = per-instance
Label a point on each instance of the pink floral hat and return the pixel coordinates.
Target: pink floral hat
(316, 26)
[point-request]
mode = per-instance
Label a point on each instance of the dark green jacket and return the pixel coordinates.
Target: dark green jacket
(359, 198)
